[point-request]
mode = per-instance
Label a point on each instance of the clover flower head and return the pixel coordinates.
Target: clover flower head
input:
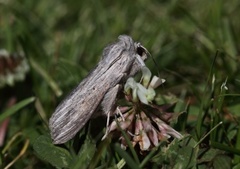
(144, 121)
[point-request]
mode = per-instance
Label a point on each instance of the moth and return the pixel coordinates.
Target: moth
(98, 91)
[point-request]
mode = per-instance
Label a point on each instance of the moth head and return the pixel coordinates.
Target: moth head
(141, 51)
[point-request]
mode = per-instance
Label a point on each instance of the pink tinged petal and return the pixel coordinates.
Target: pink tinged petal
(175, 134)
(169, 130)
(153, 136)
(145, 142)
(141, 136)
(130, 131)
(128, 120)
(124, 144)
(130, 127)
(163, 136)
(135, 140)
(165, 129)
(138, 128)
(123, 124)
(147, 126)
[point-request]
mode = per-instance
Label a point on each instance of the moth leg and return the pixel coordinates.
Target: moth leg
(118, 112)
(109, 104)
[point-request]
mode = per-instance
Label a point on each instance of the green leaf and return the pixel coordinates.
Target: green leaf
(186, 158)
(85, 154)
(32, 134)
(222, 162)
(208, 155)
(16, 108)
(101, 153)
(236, 166)
(57, 156)
(129, 160)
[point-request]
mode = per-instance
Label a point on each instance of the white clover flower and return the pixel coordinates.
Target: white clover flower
(143, 127)
(13, 67)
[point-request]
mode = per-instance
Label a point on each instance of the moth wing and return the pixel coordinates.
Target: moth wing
(77, 108)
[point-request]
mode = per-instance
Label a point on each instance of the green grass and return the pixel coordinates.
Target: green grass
(195, 44)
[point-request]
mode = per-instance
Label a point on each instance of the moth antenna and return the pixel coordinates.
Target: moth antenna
(154, 61)
(156, 64)
(149, 54)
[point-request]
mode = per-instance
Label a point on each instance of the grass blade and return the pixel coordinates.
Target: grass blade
(10, 111)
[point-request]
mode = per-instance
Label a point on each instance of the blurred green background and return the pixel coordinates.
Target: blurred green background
(191, 41)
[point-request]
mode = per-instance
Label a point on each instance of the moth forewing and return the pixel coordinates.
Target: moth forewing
(72, 114)
(119, 61)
